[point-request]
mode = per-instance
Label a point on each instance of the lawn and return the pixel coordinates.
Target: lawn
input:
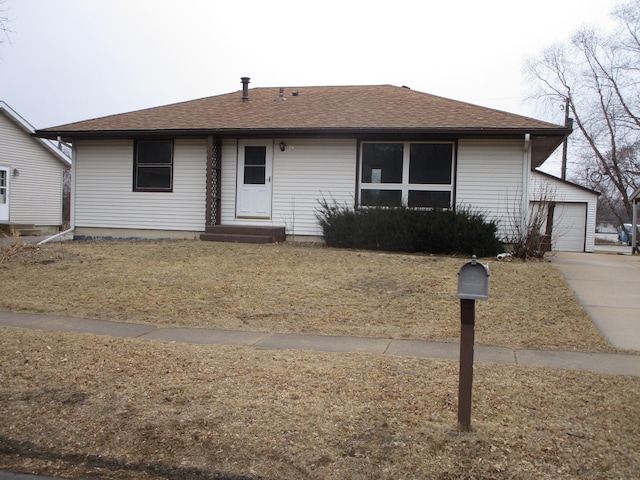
(297, 289)
(83, 406)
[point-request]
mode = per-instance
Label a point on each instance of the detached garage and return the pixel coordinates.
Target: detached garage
(572, 213)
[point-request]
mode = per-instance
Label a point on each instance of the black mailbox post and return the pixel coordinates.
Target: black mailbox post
(473, 284)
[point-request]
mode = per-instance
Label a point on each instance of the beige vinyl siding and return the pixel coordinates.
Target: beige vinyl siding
(36, 192)
(569, 200)
(307, 171)
(489, 178)
(104, 195)
(228, 181)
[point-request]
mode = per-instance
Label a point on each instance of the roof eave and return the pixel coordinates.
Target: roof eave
(567, 182)
(53, 134)
(543, 145)
(544, 140)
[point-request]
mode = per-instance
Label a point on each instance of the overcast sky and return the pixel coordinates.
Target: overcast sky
(72, 60)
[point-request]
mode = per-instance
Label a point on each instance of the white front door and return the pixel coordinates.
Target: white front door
(255, 165)
(4, 194)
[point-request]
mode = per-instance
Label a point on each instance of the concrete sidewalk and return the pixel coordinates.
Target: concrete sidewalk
(608, 288)
(616, 364)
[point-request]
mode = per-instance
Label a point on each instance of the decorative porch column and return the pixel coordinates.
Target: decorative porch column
(214, 152)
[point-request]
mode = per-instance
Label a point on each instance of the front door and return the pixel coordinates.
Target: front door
(255, 164)
(4, 194)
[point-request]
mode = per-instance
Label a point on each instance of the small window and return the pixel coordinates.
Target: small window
(153, 166)
(382, 162)
(430, 163)
(429, 199)
(381, 198)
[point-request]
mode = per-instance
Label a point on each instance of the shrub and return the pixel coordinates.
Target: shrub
(527, 238)
(404, 229)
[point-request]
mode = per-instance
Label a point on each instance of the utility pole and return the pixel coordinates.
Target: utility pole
(568, 122)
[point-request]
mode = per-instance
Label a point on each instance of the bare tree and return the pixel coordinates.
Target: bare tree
(3, 28)
(4, 21)
(597, 76)
(534, 236)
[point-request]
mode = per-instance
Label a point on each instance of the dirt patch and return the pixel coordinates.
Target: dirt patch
(290, 288)
(82, 406)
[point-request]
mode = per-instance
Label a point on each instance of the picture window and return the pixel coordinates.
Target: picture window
(414, 174)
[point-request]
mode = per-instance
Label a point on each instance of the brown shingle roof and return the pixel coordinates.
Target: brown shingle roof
(381, 108)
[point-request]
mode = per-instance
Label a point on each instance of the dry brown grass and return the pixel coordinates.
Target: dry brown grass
(83, 406)
(287, 288)
(95, 407)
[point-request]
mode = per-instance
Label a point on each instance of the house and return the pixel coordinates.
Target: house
(635, 200)
(259, 160)
(571, 220)
(31, 177)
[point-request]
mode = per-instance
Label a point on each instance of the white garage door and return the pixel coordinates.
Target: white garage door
(569, 227)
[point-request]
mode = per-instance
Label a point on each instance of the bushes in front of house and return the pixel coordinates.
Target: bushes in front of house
(404, 229)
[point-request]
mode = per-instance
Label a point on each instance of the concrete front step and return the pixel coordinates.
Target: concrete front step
(243, 234)
(29, 232)
(235, 238)
(20, 230)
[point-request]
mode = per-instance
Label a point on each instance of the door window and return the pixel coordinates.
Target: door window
(3, 187)
(255, 165)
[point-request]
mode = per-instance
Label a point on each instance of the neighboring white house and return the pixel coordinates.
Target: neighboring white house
(573, 215)
(635, 200)
(31, 175)
(218, 167)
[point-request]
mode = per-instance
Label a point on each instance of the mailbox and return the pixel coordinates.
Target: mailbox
(473, 281)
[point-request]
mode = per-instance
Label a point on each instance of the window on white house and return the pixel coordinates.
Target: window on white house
(3, 187)
(415, 174)
(255, 165)
(153, 166)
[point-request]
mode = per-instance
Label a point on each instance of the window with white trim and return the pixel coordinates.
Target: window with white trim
(415, 174)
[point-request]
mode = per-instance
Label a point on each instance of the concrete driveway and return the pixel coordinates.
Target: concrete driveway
(607, 285)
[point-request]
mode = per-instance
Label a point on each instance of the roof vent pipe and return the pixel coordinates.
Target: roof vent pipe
(281, 95)
(245, 88)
